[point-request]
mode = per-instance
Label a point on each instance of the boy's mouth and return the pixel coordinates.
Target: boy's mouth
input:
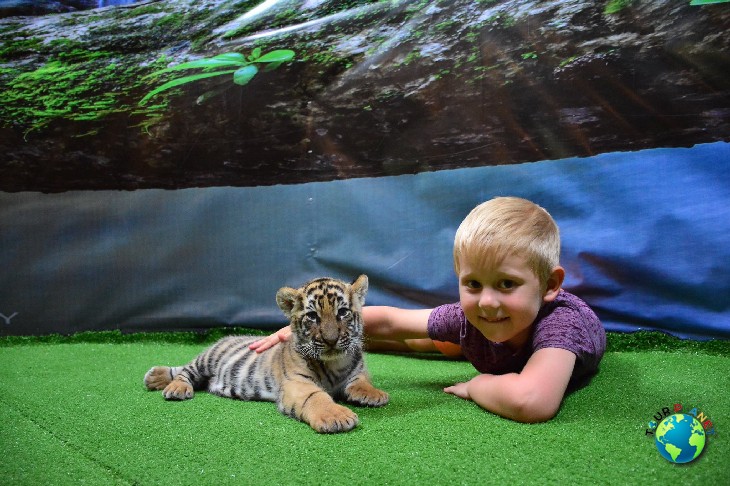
(493, 320)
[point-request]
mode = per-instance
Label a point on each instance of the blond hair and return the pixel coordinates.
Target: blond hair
(506, 226)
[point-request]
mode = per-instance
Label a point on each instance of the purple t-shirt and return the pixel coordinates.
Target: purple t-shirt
(567, 323)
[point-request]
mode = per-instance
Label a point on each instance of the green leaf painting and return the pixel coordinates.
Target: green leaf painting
(181, 81)
(241, 67)
(245, 74)
(277, 56)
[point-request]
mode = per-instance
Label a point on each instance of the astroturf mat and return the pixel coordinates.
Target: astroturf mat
(74, 411)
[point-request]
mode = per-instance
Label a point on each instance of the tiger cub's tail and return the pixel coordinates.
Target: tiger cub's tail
(159, 377)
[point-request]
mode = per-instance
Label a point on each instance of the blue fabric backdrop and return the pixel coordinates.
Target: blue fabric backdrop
(645, 242)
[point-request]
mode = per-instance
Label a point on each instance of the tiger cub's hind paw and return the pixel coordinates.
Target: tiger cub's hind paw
(158, 377)
(178, 390)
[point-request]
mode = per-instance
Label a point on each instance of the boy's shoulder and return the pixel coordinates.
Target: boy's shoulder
(569, 322)
(566, 300)
(566, 296)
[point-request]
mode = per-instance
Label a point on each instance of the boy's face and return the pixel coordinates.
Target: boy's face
(501, 302)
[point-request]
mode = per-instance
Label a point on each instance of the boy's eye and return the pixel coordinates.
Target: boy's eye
(473, 284)
(507, 284)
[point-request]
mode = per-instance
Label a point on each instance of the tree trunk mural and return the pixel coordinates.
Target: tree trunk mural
(373, 88)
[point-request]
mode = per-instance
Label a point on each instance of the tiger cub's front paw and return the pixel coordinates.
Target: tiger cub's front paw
(332, 419)
(367, 395)
(178, 390)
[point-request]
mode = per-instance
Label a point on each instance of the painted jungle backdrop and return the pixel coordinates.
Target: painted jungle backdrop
(183, 93)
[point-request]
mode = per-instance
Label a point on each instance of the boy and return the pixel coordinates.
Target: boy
(529, 339)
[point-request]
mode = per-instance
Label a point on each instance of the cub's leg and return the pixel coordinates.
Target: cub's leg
(362, 392)
(175, 384)
(179, 382)
(307, 402)
(158, 377)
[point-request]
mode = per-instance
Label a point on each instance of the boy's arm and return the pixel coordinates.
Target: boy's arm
(395, 324)
(534, 395)
(381, 323)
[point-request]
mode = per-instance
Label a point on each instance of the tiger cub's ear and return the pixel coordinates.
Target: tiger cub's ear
(288, 299)
(358, 290)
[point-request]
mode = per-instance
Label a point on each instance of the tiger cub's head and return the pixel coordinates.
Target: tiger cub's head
(325, 316)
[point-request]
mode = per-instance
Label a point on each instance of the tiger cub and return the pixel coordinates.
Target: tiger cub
(322, 360)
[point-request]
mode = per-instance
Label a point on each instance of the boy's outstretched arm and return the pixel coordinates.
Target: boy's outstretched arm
(381, 324)
(533, 395)
(395, 324)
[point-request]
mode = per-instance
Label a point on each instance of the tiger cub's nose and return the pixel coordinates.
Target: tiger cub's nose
(330, 335)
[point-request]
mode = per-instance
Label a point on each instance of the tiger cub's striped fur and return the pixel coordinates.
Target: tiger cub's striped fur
(322, 361)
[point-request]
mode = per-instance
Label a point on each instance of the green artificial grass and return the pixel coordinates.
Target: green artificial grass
(75, 412)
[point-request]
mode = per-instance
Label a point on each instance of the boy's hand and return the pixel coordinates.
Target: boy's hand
(262, 345)
(460, 390)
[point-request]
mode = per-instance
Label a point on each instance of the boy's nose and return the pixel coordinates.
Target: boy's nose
(488, 299)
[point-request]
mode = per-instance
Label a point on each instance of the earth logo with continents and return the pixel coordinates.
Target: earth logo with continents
(680, 438)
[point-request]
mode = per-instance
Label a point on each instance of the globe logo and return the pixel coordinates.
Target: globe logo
(680, 438)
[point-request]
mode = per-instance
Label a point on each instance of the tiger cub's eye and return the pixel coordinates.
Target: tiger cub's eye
(343, 313)
(311, 315)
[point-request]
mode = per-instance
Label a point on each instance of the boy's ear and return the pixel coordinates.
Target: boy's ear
(287, 299)
(554, 283)
(358, 290)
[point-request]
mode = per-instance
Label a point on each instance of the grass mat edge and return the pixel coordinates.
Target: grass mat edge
(616, 341)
